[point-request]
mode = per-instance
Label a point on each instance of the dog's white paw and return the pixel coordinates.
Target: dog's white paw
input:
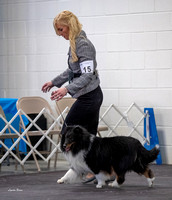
(100, 183)
(150, 181)
(60, 181)
(114, 184)
(99, 186)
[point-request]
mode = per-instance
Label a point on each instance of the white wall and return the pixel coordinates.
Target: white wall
(133, 39)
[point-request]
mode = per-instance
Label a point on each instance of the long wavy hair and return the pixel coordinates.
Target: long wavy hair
(67, 18)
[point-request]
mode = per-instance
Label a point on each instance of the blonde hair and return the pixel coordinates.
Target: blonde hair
(67, 18)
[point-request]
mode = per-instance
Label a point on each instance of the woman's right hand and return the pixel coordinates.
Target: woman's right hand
(47, 86)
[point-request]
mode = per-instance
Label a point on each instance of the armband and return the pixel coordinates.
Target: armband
(87, 66)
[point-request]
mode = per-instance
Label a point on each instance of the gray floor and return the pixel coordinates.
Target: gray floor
(32, 185)
(30, 167)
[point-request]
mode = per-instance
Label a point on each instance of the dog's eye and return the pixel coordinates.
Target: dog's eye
(69, 138)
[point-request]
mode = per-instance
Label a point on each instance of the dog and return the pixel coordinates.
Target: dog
(104, 157)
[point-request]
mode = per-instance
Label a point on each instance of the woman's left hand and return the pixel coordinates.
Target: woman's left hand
(58, 94)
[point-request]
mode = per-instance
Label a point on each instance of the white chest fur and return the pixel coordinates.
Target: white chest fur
(77, 162)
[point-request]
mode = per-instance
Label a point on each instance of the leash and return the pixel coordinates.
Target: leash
(61, 115)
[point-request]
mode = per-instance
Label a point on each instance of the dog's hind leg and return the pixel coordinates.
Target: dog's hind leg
(150, 176)
(70, 177)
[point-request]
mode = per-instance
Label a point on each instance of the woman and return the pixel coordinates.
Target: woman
(81, 74)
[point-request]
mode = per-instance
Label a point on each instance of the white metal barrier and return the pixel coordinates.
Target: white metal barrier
(124, 116)
(21, 136)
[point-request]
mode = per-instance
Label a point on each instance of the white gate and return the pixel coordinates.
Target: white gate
(124, 117)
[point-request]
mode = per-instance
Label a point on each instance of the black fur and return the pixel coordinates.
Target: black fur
(109, 155)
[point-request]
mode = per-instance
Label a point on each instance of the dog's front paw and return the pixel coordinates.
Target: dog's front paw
(150, 181)
(99, 186)
(114, 184)
(60, 181)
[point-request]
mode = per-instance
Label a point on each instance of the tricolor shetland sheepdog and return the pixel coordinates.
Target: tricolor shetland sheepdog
(104, 157)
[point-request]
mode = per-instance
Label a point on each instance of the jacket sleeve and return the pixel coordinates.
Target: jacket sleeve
(61, 79)
(85, 51)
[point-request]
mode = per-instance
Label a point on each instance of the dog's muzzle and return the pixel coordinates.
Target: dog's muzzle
(67, 147)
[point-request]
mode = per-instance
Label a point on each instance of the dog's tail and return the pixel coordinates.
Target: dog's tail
(150, 156)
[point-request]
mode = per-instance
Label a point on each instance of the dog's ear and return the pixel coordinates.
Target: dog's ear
(78, 129)
(81, 131)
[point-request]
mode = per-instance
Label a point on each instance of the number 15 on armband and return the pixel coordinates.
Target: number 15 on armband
(87, 66)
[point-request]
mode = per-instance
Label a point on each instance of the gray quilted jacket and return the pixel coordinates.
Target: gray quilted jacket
(83, 82)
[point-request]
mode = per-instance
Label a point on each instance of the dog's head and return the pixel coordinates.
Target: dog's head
(74, 139)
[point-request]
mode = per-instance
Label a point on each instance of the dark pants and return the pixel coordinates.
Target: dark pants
(85, 111)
